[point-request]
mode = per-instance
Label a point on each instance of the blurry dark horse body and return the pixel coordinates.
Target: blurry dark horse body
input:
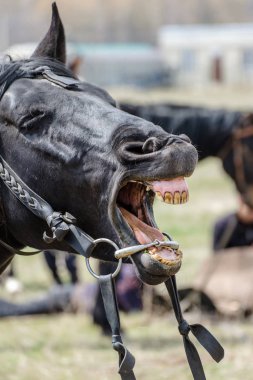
(83, 155)
(225, 134)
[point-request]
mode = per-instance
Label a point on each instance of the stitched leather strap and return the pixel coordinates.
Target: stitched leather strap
(25, 195)
(66, 82)
(61, 224)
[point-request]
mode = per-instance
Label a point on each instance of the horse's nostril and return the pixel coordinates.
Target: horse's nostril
(154, 144)
(149, 145)
(185, 138)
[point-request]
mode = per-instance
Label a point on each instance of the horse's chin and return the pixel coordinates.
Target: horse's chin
(151, 271)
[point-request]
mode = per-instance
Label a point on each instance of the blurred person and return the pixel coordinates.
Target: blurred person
(213, 288)
(235, 229)
(11, 283)
(83, 298)
(52, 258)
(55, 260)
(224, 281)
(76, 297)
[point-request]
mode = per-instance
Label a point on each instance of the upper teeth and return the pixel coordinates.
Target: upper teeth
(173, 198)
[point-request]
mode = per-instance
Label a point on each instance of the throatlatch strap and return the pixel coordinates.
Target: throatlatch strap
(126, 359)
(205, 338)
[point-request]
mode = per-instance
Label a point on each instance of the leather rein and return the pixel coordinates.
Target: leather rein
(62, 226)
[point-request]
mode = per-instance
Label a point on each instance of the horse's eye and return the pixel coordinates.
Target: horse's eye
(32, 118)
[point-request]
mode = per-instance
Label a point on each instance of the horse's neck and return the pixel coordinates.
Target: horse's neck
(207, 129)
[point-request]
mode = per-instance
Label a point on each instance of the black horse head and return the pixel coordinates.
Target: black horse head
(83, 155)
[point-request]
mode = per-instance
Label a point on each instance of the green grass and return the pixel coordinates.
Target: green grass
(68, 346)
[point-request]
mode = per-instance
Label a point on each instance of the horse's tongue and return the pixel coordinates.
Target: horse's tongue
(146, 234)
(143, 233)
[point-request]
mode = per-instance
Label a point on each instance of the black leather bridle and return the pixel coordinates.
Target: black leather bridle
(63, 228)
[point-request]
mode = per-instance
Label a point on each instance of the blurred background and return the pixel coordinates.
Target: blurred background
(193, 53)
(163, 42)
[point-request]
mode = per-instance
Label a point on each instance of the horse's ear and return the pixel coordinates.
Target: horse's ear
(53, 44)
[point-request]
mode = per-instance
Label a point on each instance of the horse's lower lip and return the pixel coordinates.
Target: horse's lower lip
(168, 257)
(152, 271)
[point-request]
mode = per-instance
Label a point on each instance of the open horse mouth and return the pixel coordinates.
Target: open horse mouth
(134, 210)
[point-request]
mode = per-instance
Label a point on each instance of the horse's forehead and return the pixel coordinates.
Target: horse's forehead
(40, 89)
(25, 94)
(88, 109)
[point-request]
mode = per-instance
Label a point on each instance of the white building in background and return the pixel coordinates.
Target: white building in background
(201, 54)
(112, 64)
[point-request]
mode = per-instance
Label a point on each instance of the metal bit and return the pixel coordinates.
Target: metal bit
(169, 243)
(128, 251)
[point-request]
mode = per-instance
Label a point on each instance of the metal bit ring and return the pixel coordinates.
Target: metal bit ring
(108, 241)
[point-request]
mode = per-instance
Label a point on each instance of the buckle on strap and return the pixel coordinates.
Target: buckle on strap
(59, 224)
(184, 328)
